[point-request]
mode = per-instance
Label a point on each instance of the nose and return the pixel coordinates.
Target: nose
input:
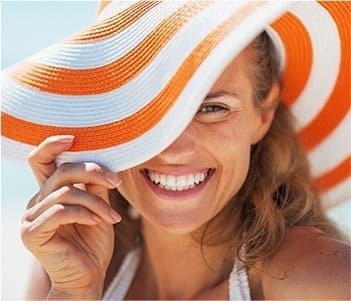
(181, 149)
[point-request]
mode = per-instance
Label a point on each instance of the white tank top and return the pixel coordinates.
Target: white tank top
(238, 284)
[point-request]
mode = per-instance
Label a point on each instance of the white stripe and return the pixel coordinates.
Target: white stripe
(74, 111)
(14, 151)
(113, 8)
(178, 117)
(278, 49)
(337, 195)
(325, 65)
(333, 150)
(103, 52)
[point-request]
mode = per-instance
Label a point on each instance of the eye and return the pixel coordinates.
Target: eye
(212, 112)
(211, 108)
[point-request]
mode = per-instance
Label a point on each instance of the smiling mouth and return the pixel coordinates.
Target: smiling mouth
(177, 183)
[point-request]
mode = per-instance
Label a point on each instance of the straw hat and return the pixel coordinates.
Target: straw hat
(128, 85)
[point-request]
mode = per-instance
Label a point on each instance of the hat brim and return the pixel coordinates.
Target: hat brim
(128, 86)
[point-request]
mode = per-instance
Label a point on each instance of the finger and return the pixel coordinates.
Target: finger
(86, 173)
(55, 217)
(42, 158)
(99, 191)
(102, 192)
(69, 195)
(34, 200)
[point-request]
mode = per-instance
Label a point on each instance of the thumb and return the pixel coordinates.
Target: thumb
(42, 158)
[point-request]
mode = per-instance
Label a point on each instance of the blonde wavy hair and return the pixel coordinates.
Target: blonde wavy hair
(278, 192)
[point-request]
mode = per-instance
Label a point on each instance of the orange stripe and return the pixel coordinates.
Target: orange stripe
(335, 176)
(109, 135)
(298, 51)
(113, 25)
(102, 4)
(338, 103)
(112, 76)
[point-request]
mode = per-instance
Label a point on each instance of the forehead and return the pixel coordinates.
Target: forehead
(234, 78)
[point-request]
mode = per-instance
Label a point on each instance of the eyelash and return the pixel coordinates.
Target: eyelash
(215, 109)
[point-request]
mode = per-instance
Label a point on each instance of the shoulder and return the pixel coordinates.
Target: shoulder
(309, 265)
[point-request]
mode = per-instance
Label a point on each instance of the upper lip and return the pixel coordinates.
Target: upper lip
(178, 171)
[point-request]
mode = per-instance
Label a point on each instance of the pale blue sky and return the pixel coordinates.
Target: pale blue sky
(26, 28)
(30, 26)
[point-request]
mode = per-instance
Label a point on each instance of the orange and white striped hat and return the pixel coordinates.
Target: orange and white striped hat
(128, 86)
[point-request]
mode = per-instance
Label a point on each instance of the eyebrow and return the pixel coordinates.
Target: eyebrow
(219, 94)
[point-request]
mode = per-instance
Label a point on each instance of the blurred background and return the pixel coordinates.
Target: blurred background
(26, 28)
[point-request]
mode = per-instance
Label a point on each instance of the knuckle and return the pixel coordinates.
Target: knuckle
(24, 233)
(81, 211)
(26, 217)
(25, 230)
(32, 157)
(64, 168)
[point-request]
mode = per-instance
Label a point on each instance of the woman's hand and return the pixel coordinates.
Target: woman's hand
(70, 230)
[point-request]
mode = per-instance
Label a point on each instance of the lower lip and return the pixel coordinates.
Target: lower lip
(177, 195)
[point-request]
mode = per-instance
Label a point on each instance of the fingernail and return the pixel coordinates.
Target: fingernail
(112, 179)
(65, 139)
(115, 216)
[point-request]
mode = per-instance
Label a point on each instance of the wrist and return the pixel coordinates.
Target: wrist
(89, 293)
(58, 295)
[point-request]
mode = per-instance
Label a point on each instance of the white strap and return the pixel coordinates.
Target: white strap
(238, 283)
(120, 285)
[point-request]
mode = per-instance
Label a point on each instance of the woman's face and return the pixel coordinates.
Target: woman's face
(193, 179)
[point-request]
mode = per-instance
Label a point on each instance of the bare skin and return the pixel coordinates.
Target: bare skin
(279, 282)
(60, 230)
(67, 229)
(310, 265)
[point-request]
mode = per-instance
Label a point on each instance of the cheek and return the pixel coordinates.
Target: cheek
(228, 139)
(230, 146)
(129, 188)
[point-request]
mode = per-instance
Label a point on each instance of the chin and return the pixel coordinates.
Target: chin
(173, 223)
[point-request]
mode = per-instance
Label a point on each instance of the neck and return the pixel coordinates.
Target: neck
(179, 268)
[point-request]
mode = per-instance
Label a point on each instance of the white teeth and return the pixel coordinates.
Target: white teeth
(197, 179)
(190, 180)
(157, 179)
(171, 181)
(163, 180)
(181, 181)
(177, 183)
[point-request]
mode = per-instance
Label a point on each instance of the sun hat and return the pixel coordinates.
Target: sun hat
(128, 85)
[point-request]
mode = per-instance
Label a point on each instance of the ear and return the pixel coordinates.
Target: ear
(266, 113)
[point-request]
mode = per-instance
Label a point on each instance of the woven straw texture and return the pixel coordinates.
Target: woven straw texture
(128, 85)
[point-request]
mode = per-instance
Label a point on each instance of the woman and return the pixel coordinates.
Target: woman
(228, 210)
